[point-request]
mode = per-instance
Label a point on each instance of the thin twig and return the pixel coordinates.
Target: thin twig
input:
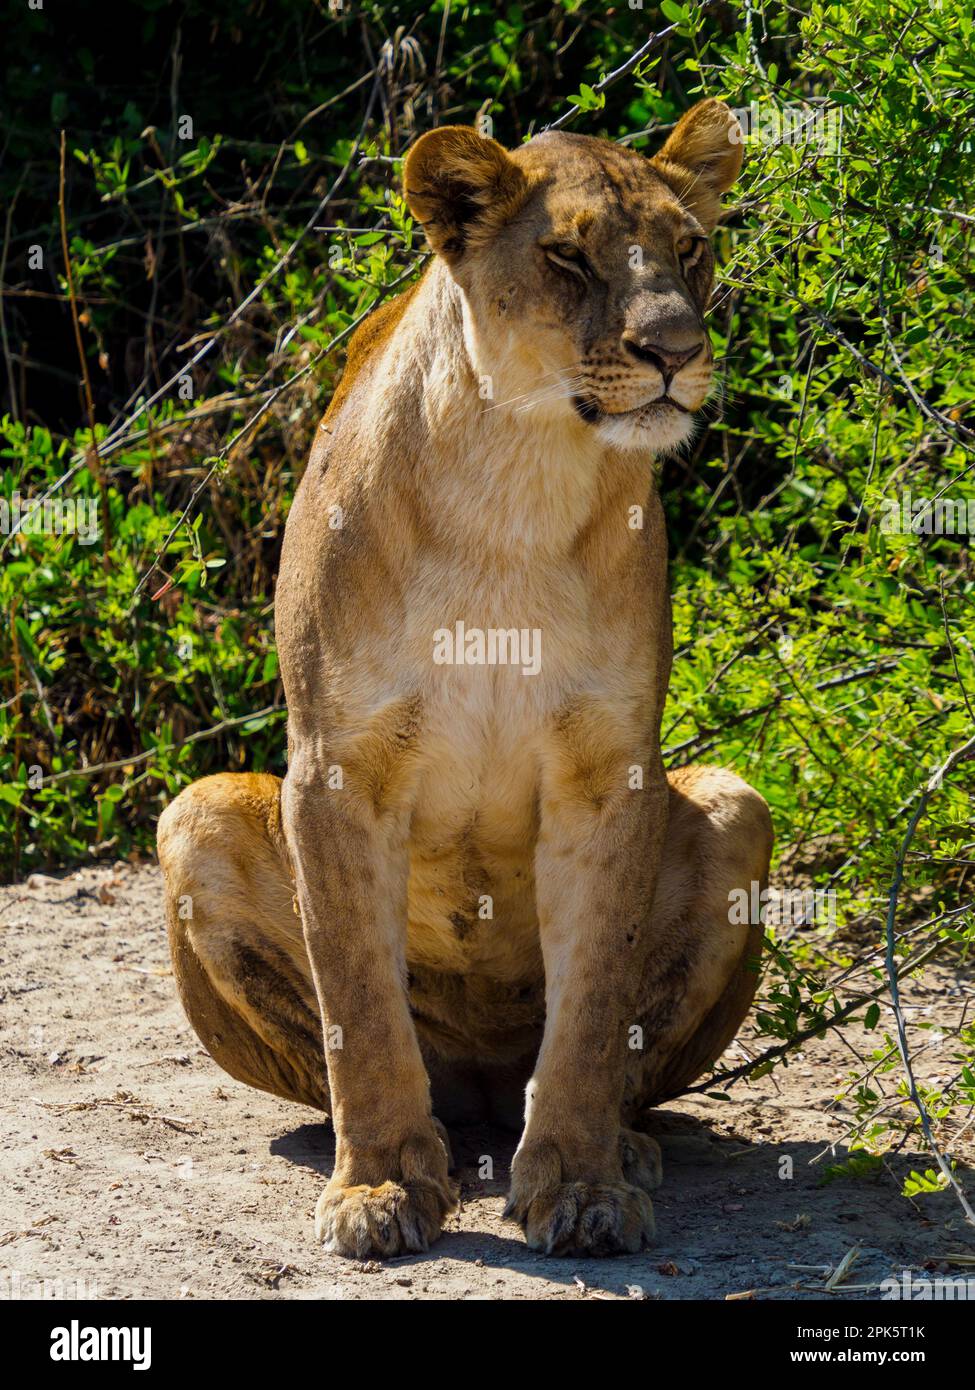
(163, 747)
(118, 432)
(260, 412)
(86, 379)
(654, 41)
(953, 759)
(815, 1030)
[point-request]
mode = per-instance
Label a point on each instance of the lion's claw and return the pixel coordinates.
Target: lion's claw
(611, 1217)
(392, 1219)
(395, 1217)
(578, 1218)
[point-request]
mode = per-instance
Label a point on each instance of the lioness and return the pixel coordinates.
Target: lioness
(476, 876)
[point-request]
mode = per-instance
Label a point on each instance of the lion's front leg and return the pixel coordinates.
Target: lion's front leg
(389, 1192)
(597, 855)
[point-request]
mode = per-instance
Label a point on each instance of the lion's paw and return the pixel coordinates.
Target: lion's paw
(641, 1160)
(392, 1219)
(398, 1216)
(577, 1218)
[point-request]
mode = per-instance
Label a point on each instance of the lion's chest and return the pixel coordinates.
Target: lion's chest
(471, 899)
(494, 665)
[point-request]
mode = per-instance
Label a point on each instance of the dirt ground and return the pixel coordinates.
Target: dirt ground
(132, 1167)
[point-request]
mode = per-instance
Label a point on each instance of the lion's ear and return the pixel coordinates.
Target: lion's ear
(461, 187)
(702, 158)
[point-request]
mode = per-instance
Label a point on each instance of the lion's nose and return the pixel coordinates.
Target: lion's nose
(668, 358)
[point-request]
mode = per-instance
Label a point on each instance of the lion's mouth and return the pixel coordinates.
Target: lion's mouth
(592, 413)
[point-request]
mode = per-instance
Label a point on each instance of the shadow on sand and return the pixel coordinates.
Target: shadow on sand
(733, 1216)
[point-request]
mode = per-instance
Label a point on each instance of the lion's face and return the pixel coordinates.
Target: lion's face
(586, 268)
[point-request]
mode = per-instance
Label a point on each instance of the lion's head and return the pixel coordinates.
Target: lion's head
(586, 267)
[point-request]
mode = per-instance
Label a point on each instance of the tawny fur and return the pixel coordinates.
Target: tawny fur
(487, 459)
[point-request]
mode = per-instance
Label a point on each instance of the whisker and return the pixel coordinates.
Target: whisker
(523, 394)
(547, 393)
(558, 391)
(536, 398)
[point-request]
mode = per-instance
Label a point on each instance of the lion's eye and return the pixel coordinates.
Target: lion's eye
(690, 249)
(567, 256)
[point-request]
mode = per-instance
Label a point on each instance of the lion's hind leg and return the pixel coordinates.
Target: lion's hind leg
(703, 974)
(238, 951)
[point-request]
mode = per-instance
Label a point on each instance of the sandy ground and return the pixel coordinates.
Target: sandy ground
(132, 1167)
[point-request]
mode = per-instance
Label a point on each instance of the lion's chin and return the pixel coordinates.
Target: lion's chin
(657, 428)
